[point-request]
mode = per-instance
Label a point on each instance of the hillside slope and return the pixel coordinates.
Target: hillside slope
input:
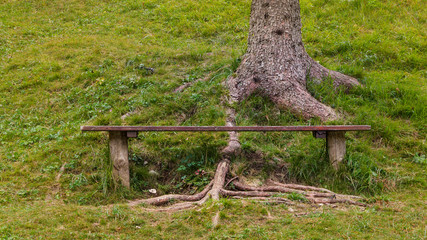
(70, 63)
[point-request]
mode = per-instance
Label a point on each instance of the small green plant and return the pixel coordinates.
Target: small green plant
(419, 159)
(50, 168)
(78, 181)
(199, 179)
(117, 213)
(27, 193)
(297, 197)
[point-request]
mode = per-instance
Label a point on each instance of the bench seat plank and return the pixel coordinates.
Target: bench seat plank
(226, 128)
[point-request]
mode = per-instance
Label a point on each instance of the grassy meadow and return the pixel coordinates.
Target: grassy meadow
(64, 64)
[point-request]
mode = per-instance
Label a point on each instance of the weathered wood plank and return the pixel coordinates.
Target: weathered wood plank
(119, 155)
(226, 128)
(132, 134)
(336, 147)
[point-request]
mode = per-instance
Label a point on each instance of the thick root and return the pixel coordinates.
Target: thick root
(311, 193)
(229, 193)
(157, 201)
(215, 219)
(219, 179)
(240, 89)
(245, 187)
(319, 72)
(299, 187)
(173, 208)
(290, 95)
(262, 193)
(298, 100)
(278, 200)
(191, 201)
(189, 84)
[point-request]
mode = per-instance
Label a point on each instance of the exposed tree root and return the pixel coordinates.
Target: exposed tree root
(268, 193)
(277, 200)
(215, 219)
(217, 187)
(219, 179)
(290, 95)
(162, 200)
(184, 86)
(61, 171)
(212, 190)
(299, 187)
(57, 186)
(244, 187)
(229, 181)
(318, 191)
(319, 72)
(313, 196)
(126, 115)
(189, 84)
(298, 100)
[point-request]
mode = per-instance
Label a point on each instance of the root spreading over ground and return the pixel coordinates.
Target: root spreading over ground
(220, 187)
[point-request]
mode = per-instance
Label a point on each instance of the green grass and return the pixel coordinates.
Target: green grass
(395, 219)
(64, 64)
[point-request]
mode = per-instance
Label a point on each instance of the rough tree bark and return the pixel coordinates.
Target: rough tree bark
(277, 65)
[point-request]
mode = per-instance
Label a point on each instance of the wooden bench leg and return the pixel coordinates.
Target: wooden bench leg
(336, 147)
(119, 155)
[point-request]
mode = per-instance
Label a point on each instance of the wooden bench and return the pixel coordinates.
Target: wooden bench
(334, 135)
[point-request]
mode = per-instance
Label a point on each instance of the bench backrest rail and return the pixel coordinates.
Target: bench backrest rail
(225, 128)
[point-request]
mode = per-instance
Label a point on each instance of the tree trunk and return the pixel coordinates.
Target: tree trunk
(276, 63)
